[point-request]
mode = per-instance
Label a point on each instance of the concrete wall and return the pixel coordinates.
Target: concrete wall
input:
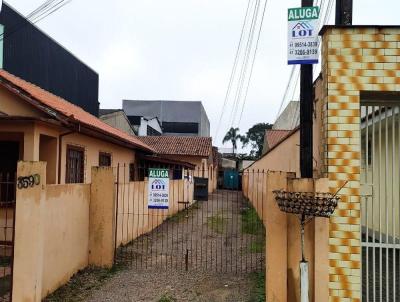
(60, 229)
(283, 249)
(65, 213)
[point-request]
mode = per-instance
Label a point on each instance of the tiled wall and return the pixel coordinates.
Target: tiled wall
(353, 60)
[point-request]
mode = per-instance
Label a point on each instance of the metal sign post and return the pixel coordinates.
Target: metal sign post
(303, 48)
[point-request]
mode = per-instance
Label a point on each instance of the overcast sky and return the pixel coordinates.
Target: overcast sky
(183, 49)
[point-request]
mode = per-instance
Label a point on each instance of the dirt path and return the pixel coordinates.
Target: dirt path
(220, 241)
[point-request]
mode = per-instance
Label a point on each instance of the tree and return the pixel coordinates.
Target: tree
(233, 136)
(255, 136)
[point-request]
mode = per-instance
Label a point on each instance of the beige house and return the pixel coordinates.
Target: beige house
(36, 125)
(197, 151)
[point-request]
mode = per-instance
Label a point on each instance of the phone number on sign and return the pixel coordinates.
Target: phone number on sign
(305, 52)
(160, 200)
(165, 195)
(306, 44)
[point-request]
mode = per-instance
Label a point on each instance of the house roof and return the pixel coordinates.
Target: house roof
(65, 111)
(274, 137)
(108, 111)
(180, 145)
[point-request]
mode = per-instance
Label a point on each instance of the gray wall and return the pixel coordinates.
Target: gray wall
(171, 111)
(289, 118)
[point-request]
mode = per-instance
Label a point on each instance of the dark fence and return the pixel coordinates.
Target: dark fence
(7, 223)
(223, 233)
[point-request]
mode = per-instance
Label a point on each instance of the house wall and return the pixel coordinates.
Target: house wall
(286, 156)
(33, 131)
(384, 193)
(92, 147)
(203, 168)
(118, 120)
(354, 60)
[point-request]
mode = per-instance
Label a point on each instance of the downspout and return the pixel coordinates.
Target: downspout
(60, 152)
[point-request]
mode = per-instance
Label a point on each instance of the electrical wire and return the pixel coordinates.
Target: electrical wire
(52, 12)
(233, 72)
(243, 71)
(254, 59)
(43, 11)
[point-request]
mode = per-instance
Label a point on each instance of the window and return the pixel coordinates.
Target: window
(75, 165)
(104, 159)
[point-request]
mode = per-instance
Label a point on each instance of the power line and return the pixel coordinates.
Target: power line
(243, 71)
(41, 12)
(52, 12)
(233, 72)
(254, 59)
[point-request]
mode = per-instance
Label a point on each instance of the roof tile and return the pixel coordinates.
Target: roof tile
(179, 145)
(68, 109)
(274, 137)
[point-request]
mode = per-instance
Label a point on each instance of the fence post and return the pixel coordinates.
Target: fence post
(102, 217)
(29, 245)
(276, 248)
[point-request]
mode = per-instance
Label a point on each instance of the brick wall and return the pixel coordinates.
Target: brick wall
(353, 59)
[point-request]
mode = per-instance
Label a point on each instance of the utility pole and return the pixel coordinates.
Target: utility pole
(306, 115)
(344, 12)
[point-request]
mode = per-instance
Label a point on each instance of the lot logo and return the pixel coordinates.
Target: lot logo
(302, 29)
(158, 185)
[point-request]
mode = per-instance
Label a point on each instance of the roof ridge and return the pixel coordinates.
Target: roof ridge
(66, 108)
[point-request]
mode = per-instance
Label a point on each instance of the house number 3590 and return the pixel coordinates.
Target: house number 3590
(25, 182)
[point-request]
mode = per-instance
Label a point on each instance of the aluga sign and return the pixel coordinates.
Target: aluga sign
(158, 189)
(303, 41)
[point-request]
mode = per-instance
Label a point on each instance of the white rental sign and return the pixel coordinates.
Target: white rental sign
(303, 41)
(158, 189)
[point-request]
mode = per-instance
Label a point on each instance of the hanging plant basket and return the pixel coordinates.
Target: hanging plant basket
(307, 204)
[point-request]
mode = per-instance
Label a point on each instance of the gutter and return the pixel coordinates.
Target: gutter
(60, 137)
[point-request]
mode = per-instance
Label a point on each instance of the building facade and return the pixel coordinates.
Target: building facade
(32, 55)
(177, 118)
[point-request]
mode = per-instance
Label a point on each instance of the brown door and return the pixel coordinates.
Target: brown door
(75, 165)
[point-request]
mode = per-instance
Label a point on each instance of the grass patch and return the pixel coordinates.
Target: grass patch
(258, 293)
(257, 246)
(217, 223)
(5, 260)
(167, 298)
(82, 283)
(251, 223)
(183, 214)
(5, 284)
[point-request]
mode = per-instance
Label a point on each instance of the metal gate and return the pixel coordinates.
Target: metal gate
(222, 234)
(380, 208)
(7, 223)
